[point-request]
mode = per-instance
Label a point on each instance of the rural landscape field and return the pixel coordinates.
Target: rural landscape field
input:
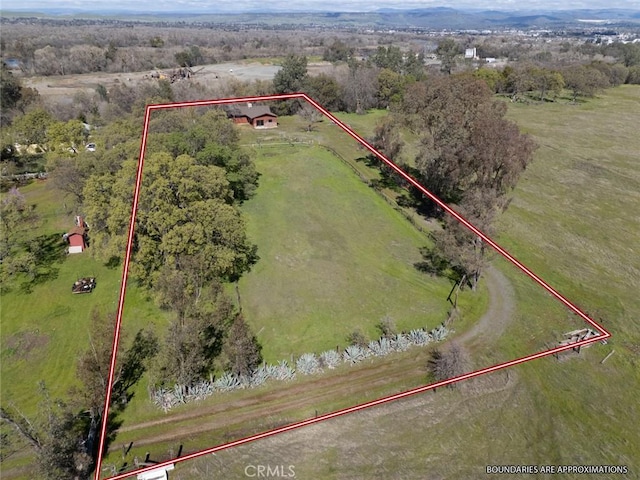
(280, 272)
(574, 402)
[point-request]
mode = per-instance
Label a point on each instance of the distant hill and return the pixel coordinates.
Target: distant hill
(422, 18)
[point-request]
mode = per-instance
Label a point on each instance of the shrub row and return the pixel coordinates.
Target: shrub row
(306, 364)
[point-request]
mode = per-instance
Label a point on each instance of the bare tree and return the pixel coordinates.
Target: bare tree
(92, 370)
(449, 363)
(57, 439)
(360, 86)
(310, 115)
(23, 425)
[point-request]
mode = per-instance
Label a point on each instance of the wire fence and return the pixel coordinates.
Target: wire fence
(384, 195)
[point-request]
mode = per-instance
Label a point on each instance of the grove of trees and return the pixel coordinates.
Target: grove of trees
(468, 154)
(190, 237)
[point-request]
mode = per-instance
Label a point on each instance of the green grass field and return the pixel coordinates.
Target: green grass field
(575, 204)
(574, 220)
(44, 330)
(334, 257)
(573, 223)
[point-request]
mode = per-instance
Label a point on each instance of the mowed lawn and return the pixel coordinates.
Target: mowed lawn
(43, 331)
(334, 257)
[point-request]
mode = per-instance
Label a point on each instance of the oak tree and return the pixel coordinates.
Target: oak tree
(469, 155)
(291, 78)
(326, 91)
(185, 209)
(447, 52)
(584, 81)
(195, 337)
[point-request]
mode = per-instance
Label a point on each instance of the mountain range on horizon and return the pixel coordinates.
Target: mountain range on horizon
(431, 17)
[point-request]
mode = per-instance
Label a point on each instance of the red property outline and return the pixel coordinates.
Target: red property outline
(603, 333)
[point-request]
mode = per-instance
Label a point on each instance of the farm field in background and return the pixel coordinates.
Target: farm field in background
(574, 221)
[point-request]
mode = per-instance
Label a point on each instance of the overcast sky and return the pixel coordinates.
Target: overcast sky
(213, 6)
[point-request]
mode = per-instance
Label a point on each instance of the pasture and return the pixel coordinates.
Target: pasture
(574, 221)
(44, 326)
(334, 257)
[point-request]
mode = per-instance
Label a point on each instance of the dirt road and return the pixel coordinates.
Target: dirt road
(354, 382)
(502, 307)
(62, 88)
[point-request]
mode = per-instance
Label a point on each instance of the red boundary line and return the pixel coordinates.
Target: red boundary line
(116, 338)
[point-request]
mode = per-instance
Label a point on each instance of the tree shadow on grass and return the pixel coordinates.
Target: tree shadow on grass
(48, 251)
(435, 264)
(113, 262)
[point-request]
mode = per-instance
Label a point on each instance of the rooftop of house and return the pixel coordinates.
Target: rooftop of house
(250, 111)
(76, 231)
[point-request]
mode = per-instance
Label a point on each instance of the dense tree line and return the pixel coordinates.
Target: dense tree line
(390, 78)
(43, 48)
(190, 237)
(548, 83)
(468, 155)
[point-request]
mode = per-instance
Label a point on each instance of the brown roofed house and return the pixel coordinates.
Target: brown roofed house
(258, 116)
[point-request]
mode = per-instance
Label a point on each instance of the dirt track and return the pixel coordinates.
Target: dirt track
(63, 88)
(502, 307)
(349, 383)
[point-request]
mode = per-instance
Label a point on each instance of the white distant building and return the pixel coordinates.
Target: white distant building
(471, 53)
